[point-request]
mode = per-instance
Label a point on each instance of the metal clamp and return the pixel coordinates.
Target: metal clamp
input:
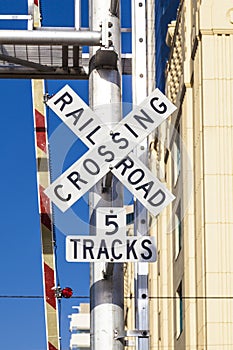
(46, 97)
(104, 59)
(106, 33)
(108, 270)
(131, 333)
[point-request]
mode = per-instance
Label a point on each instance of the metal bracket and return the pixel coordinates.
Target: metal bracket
(114, 7)
(106, 33)
(108, 270)
(103, 59)
(58, 292)
(132, 333)
(107, 182)
(46, 97)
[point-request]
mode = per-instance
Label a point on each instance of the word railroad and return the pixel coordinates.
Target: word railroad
(110, 150)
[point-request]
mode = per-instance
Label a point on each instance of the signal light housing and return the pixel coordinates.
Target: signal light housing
(67, 292)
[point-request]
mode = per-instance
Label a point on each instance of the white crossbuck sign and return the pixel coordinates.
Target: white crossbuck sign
(110, 150)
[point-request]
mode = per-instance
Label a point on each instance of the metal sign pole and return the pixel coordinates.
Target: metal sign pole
(139, 80)
(107, 315)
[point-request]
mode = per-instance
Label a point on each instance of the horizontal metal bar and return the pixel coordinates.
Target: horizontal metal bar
(25, 63)
(138, 333)
(52, 37)
(60, 29)
(132, 333)
(126, 30)
(55, 73)
(16, 17)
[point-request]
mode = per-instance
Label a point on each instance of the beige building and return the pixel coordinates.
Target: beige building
(191, 285)
(80, 327)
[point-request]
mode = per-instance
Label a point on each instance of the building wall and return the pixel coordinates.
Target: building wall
(80, 327)
(193, 279)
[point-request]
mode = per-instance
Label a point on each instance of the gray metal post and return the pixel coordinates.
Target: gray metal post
(107, 292)
(139, 79)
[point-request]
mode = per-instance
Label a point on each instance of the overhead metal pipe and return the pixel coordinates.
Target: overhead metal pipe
(52, 37)
(59, 29)
(16, 17)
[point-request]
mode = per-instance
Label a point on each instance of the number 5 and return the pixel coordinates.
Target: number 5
(109, 221)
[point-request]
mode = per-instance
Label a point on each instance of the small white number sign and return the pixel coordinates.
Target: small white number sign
(111, 221)
(111, 242)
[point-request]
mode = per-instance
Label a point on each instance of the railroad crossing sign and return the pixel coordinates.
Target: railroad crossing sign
(110, 150)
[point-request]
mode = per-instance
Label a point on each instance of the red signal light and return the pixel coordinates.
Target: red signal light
(67, 292)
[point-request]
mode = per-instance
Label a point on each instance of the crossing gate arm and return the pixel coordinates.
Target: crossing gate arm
(45, 208)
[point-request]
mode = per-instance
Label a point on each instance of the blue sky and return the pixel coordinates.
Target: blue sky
(22, 319)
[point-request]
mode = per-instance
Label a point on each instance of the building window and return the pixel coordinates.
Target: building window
(179, 311)
(158, 259)
(159, 326)
(178, 232)
(176, 158)
(130, 218)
